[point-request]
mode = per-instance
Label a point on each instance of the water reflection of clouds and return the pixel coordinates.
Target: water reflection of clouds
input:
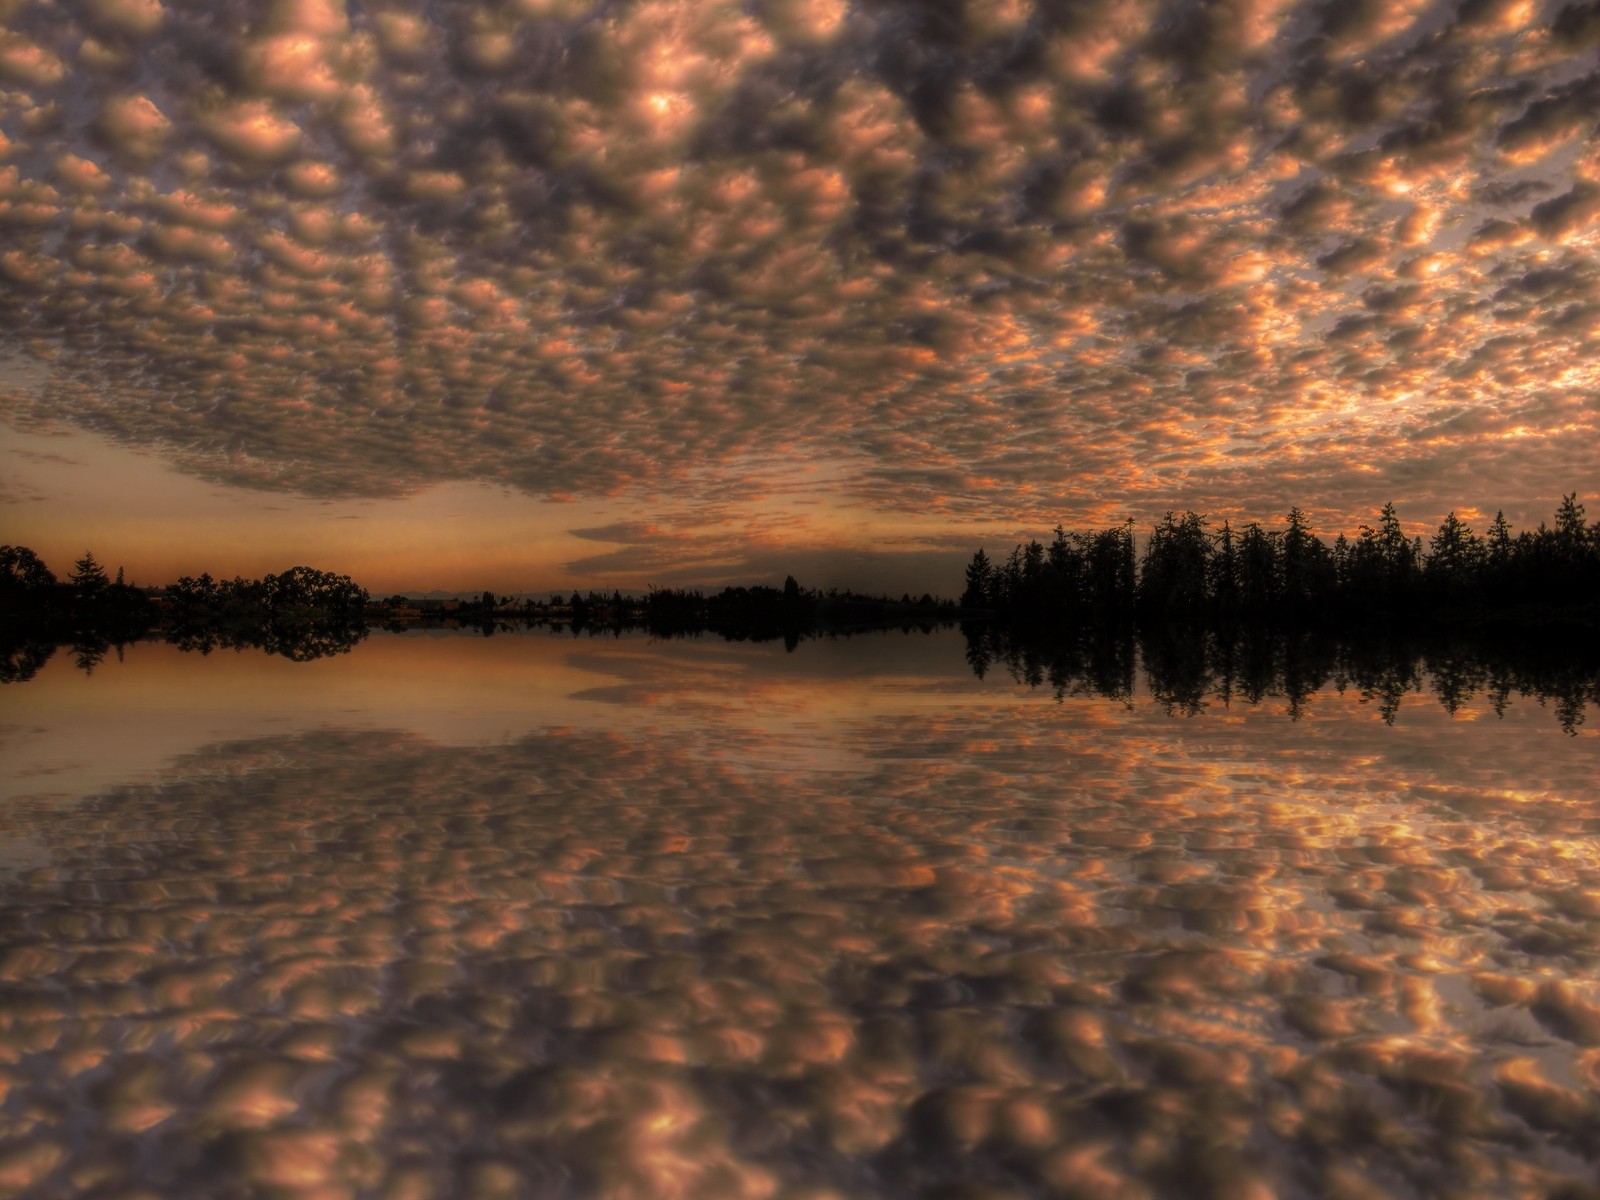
(1025, 948)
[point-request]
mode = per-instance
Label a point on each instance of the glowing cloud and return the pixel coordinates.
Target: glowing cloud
(997, 258)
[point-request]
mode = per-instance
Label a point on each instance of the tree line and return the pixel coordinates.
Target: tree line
(737, 613)
(1192, 571)
(304, 613)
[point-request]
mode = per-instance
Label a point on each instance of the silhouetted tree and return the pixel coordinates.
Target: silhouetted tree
(1454, 562)
(1033, 577)
(1111, 573)
(22, 572)
(88, 576)
(1570, 528)
(1258, 569)
(1223, 584)
(1176, 567)
(1006, 588)
(1397, 552)
(979, 589)
(1499, 539)
(1308, 569)
(1064, 570)
(309, 591)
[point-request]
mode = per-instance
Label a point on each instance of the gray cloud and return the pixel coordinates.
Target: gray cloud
(1001, 260)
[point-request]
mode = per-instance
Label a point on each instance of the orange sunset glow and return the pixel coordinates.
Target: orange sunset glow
(553, 293)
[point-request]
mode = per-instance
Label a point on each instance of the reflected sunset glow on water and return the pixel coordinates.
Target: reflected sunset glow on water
(700, 920)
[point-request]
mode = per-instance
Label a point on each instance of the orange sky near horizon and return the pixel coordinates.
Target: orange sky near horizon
(610, 293)
(82, 492)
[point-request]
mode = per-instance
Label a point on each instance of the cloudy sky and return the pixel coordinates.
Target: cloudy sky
(519, 294)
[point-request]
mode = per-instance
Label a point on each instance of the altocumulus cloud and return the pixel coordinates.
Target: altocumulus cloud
(992, 256)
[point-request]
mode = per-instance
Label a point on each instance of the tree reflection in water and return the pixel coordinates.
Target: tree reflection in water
(23, 657)
(1189, 670)
(1023, 950)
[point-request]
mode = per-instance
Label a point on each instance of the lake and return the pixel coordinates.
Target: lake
(612, 918)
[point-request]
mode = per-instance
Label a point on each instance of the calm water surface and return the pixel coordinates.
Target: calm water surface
(622, 920)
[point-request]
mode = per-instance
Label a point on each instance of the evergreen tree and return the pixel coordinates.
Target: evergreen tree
(1064, 569)
(1454, 560)
(1031, 585)
(1176, 564)
(1008, 586)
(1570, 533)
(1223, 586)
(1499, 541)
(1389, 559)
(1392, 541)
(88, 576)
(1258, 569)
(1308, 571)
(979, 591)
(1341, 562)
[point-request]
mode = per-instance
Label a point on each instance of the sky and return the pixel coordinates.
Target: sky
(547, 293)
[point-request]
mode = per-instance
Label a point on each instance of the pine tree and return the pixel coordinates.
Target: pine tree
(88, 575)
(1224, 582)
(1499, 540)
(1570, 527)
(980, 573)
(1454, 549)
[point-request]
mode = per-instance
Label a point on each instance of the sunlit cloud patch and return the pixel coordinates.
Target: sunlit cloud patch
(998, 258)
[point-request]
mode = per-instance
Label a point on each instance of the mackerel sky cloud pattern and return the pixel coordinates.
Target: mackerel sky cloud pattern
(992, 259)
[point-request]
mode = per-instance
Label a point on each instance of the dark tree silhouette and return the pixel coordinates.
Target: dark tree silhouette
(979, 589)
(1172, 579)
(1381, 577)
(1454, 561)
(22, 572)
(88, 576)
